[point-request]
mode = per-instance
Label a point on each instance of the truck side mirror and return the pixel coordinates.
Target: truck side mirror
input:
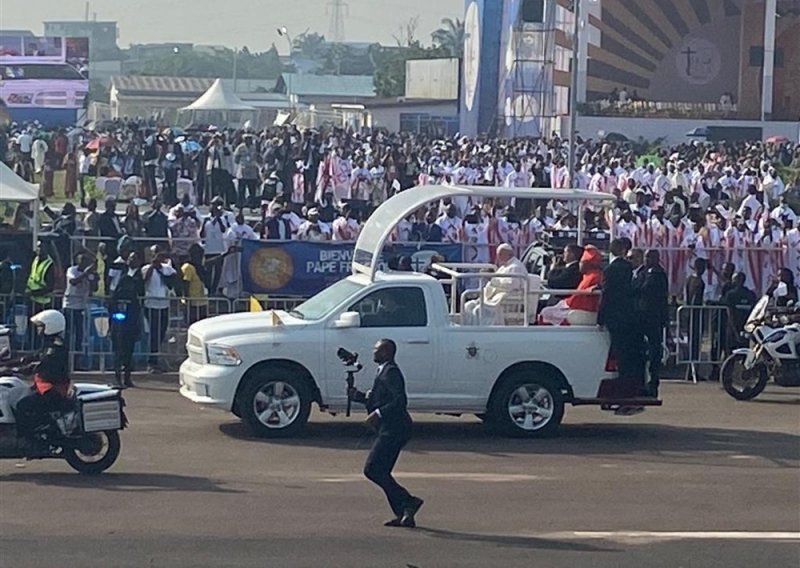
(348, 320)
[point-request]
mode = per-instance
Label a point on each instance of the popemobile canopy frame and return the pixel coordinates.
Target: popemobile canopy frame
(380, 224)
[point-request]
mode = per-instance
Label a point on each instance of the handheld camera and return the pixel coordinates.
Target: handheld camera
(350, 360)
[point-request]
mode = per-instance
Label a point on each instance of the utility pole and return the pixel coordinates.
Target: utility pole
(573, 92)
(573, 104)
(770, 13)
(337, 9)
(235, 66)
(284, 33)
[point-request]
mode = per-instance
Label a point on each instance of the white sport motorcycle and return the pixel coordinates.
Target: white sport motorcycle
(774, 353)
(85, 432)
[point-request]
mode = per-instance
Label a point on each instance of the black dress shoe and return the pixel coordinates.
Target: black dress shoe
(396, 522)
(408, 513)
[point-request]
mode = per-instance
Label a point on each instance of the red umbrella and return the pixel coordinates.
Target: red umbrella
(94, 144)
(777, 139)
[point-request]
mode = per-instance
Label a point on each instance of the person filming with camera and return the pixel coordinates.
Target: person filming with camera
(387, 405)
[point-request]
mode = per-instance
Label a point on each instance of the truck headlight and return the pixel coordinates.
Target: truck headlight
(222, 355)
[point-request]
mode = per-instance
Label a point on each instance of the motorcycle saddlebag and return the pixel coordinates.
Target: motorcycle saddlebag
(101, 411)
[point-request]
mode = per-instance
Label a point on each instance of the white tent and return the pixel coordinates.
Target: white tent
(218, 98)
(14, 188)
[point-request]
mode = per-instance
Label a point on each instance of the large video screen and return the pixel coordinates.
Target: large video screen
(43, 73)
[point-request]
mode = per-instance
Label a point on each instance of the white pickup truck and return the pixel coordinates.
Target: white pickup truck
(269, 367)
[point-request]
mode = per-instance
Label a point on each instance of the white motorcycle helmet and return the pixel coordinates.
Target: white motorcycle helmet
(52, 322)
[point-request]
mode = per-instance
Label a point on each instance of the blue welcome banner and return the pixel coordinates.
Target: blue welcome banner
(302, 268)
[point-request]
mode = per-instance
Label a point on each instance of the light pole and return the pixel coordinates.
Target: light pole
(573, 91)
(235, 67)
(175, 52)
(770, 15)
(284, 33)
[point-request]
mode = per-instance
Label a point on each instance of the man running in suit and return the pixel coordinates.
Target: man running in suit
(386, 403)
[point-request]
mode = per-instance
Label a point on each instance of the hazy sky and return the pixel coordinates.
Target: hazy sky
(233, 22)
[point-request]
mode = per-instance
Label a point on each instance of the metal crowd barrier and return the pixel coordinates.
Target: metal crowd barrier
(93, 349)
(80, 243)
(703, 335)
(285, 303)
(699, 335)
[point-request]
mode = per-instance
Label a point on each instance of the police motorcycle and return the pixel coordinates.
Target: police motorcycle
(83, 431)
(773, 354)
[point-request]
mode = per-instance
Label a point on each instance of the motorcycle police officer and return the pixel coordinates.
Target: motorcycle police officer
(51, 375)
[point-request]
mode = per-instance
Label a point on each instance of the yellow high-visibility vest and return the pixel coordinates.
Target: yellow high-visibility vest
(37, 284)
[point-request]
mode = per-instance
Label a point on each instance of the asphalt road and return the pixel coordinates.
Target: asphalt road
(704, 481)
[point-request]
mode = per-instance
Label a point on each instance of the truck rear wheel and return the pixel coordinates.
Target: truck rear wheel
(527, 407)
(276, 404)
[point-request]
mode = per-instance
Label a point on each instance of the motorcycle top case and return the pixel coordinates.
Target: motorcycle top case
(101, 411)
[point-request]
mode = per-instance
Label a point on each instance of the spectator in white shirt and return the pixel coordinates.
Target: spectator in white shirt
(84, 163)
(213, 231)
(784, 212)
(183, 234)
(450, 224)
(231, 267)
(312, 229)
(81, 282)
(751, 202)
(157, 278)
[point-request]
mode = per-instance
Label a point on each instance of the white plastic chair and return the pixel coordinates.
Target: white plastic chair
(113, 186)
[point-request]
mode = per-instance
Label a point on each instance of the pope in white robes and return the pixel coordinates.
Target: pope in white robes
(509, 280)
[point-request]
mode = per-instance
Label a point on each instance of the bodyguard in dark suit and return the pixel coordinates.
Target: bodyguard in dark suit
(566, 273)
(617, 313)
(386, 403)
(652, 290)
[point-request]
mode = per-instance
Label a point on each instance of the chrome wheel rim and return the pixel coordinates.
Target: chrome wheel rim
(530, 407)
(277, 405)
(743, 379)
(100, 447)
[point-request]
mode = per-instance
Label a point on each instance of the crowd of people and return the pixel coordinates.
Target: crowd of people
(722, 202)
(717, 217)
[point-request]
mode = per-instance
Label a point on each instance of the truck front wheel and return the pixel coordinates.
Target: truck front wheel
(527, 407)
(275, 405)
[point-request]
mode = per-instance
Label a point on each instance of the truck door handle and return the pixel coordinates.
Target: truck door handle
(418, 341)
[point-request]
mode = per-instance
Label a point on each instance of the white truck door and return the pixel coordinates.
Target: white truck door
(399, 313)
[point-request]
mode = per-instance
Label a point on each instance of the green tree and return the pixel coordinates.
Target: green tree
(98, 92)
(450, 37)
(310, 45)
(390, 62)
(265, 65)
(338, 53)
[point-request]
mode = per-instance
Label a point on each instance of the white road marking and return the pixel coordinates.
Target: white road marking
(643, 537)
(479, 477)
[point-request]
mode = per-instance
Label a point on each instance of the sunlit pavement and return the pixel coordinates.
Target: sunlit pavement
(702, 481)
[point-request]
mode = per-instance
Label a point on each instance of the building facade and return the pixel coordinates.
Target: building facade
(694, 51)
(102, 36)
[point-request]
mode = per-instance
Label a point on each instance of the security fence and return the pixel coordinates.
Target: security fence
(697, 335)
(705, 335)
(90, 334)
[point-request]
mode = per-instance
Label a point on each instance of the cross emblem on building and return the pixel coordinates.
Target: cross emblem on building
(689, 52)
